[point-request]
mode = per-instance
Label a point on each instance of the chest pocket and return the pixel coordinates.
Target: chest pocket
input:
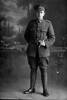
(42, 34)
(33, 32)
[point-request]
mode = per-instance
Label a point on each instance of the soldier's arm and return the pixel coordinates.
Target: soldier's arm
(27, 32)
(50, 36)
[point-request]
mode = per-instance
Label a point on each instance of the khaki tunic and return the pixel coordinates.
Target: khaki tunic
(36, 31)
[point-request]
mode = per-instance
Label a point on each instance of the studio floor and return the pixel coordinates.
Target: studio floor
(14, 90)
(14, 79)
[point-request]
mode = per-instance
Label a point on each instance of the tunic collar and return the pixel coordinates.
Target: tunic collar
(39, 21)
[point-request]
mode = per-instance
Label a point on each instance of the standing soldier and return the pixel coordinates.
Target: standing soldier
(39, 36)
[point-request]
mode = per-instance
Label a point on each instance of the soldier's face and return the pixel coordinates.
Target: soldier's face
(40, 14)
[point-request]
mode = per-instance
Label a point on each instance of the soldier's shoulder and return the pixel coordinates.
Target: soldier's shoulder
(31, 21)
(48, 21)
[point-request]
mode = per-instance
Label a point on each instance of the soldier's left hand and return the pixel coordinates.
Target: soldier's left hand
(42, 42)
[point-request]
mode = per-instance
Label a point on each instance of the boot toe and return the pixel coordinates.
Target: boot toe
(29, 91)
(45, 93)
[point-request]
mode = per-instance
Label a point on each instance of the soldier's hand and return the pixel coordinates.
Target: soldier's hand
(42, 42)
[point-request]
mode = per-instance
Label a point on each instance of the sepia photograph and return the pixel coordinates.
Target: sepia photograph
(33, 49)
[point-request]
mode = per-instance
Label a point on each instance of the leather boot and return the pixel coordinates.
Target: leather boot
(30, 90)
(45, 92)
(44, 81)
(33, 74)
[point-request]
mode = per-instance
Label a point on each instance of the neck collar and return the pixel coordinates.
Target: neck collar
(39, 21)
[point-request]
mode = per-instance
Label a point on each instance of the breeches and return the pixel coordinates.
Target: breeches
(34, 63)
(41, 62)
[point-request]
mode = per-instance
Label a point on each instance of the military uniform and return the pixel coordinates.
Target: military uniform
(38, 55)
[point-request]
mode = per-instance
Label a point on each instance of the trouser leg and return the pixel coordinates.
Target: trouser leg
(44, 78)
(43, 70)
(33, 74)
(33, 71)
(44, 81)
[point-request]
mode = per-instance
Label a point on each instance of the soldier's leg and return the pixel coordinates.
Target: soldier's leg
(33, 74)
(43, 68)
